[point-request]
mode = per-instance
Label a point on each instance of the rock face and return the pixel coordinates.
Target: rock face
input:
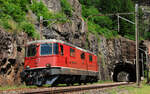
(11, 57)
(53, 5)
(114, 51)
(110, 52)
(74, 31)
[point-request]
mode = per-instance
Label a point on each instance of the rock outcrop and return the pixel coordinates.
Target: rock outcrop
(11, 57)
(73, 31)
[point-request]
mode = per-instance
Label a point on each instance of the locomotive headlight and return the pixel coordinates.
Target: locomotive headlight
(48, 65)
(28, 67)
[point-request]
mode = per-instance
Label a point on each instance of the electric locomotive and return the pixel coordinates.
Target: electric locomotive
(57, 62)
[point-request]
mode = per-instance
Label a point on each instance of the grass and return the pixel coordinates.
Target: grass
(59, 85)
(105, 81)
(143, 89)
(16, 87)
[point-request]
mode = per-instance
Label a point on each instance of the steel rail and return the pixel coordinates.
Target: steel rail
(75, 88)
(56, 90)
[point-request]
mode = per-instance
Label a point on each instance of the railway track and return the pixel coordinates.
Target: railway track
(57, 90)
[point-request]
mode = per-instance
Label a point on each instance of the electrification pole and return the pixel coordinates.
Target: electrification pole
(41, 22)
(137, 46)
(147, 66)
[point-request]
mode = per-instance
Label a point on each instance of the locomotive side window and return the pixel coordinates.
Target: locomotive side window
(31, 50)
(55, 46)
(72, 52)
(82, 56)
(62, 50)
(46, 49)
(90, 58)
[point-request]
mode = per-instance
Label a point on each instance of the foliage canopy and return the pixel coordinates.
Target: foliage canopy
(95, 7)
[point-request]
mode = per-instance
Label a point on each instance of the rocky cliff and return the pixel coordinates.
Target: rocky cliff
(11, 57)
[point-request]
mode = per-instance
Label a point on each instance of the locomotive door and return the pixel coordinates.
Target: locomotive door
(30, 59)
(83, 61)
(63, 59)
(72, 58)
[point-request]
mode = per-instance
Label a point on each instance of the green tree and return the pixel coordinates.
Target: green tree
(120, 6)
(111, 6)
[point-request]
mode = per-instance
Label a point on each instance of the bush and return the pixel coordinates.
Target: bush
(96, 29)
(92, 27)
(41, 10)
(4, 23)
(89, 10)
(94, 7)
(28, 28)
(13, 17)
(12, 9)
(66, 8)
(108, 33)
(103, 21)
(98, 24)
(90, 2)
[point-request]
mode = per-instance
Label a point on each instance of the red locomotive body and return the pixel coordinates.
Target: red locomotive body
(55, 61)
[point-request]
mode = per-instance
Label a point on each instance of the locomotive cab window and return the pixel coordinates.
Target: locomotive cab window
(55, 47)
(82, 56)
(49, 49)
(31, 50)
(90, 58)
(72, 52)
(46, 49)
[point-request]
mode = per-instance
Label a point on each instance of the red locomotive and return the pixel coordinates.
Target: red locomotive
(55, 61)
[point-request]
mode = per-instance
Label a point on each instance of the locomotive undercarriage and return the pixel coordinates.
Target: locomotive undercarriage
(57, 75)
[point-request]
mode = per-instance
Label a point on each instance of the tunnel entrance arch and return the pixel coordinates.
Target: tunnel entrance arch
(124, 72)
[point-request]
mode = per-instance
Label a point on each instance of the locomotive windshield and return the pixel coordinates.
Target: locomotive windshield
(49, 49)
(55, 47)
(31, 50)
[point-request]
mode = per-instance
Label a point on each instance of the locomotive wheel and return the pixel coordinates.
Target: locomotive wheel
(72, 84)
(80, 83)
(68, 84)
(54, 84)
(85, 83)
(28, 83)
(39, 81)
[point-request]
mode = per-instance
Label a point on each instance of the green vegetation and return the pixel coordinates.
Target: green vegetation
(134, 90)
(66, 8)
(16, 87)
(143, 89)
(41, 10)
(107, 25)
(13, 15)
(46, 85)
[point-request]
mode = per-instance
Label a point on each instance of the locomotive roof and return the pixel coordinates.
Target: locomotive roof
(58, 41)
